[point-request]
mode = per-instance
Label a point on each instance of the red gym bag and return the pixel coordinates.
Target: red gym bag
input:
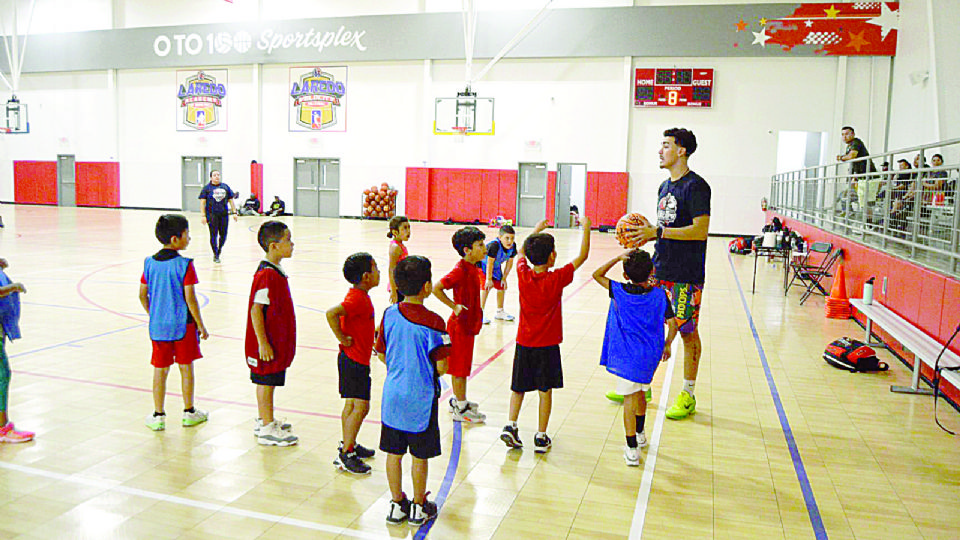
(852, 355)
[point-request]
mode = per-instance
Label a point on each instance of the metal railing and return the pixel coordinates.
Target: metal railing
(913, 213)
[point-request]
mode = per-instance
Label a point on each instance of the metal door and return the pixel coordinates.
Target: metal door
(306, 185)
(194, 174)
(562, 207)
(329, 188)
(66, 180)
(531, 194)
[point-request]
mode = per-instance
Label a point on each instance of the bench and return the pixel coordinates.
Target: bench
(923, 347)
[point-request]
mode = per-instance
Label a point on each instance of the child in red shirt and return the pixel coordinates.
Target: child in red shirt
(400, 233)
(536, 361)
(466, 280)
(271, 339)
(352, 321)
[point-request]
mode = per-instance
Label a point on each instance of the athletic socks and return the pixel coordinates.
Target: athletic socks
(191, 410)
(632, 440)
(159, 414)
(688, 386)
(513, 425)
(641, 419)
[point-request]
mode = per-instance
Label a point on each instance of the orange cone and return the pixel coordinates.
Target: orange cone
(837, 304)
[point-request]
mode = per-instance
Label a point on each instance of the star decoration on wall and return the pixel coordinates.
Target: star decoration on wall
(887, 21)
(763, 21)
(761, 37)
(857, 41)
(832, 12)
(808, 23)
(741, 26)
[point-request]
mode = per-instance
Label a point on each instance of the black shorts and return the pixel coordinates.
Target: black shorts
(354, 378)
(536, 368)
(423, 445)
(273, 379)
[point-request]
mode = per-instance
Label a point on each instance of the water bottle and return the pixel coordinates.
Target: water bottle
(868, 292)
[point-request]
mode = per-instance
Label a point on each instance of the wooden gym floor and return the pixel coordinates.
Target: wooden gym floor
(782, 445)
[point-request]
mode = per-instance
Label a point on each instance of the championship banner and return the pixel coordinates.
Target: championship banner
(201, 100)
(318, 99)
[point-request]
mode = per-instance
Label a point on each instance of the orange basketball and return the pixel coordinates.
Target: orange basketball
(384, 185)
(627, 224)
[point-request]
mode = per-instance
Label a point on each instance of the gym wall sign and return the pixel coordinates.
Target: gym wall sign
(318, 99)
(214, 43)
(201, 100)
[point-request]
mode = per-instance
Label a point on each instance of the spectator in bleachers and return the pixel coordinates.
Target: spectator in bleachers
(902, 196)
(855, 149)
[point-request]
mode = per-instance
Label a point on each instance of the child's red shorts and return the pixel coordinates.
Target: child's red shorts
(460, 361)
(185, 351)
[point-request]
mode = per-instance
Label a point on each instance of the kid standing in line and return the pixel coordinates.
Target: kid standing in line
(536, 362)
(352, 321)
(271, 339)
(499, 251)
(413, 343)
(633, 343)
(400, 232)
(466, 320)
(167, 295)
(9, 328)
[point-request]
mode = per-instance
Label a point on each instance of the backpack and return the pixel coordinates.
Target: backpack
(853, 356)
(741, 246)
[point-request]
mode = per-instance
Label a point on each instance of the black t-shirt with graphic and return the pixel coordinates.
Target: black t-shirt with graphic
(217, 197)
(682, 261)
(858, 167)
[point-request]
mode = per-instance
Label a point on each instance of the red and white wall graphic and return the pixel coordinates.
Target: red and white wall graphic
(837, 29)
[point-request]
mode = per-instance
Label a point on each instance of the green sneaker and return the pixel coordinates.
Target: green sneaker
(194, 418)
(156, 423)
(614, 397)
(683, 407)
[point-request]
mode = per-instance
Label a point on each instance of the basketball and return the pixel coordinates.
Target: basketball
(629, 223)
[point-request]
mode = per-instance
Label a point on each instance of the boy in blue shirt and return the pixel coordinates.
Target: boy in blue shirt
(499, 252)
(633, 343)
(413, 342)
(167, 295)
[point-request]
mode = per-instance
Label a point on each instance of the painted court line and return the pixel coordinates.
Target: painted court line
(116, 487)
(808, 498)
(650, 463)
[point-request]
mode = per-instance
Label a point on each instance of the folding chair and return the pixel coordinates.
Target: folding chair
(806, 269)
(811, 276)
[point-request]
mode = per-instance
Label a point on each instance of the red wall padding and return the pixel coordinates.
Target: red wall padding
(256, 180)
(98, 184)
(927, 299)
(480, 194)
(35, 182)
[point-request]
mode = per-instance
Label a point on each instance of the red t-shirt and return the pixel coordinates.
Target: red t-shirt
(541, 317)
(466, 280)
(358, 323)
(270, 288)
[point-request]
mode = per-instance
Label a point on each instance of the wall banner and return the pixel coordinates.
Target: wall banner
(202, 100)
(318, 99)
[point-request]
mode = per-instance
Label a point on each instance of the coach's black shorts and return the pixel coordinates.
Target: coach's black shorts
(422, 445)
(354, 378)
(273, 379)
(536, 368)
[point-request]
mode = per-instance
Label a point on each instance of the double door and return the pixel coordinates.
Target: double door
(316, 187)
(194, 174)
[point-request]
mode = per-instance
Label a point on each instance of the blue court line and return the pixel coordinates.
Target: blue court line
(812, 510)
(448, 477)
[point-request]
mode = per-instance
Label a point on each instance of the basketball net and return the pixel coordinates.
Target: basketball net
(460, 134)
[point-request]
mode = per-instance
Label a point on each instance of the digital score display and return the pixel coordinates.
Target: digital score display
(673, 88)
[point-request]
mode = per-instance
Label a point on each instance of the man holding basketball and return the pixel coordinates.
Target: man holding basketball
(683, 222)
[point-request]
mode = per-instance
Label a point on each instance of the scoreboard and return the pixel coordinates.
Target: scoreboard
(673, 87)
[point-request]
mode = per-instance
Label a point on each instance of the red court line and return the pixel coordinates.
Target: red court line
(174, 394)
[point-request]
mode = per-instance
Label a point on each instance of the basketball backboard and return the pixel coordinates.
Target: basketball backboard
(15, 117)
(466, 110)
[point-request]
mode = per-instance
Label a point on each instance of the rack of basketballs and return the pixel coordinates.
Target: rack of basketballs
(380, 202)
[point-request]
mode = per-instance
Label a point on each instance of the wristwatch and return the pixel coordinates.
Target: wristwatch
(659, 232)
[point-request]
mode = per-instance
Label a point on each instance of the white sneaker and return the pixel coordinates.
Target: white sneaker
(258, 423)
(486, 320)
(504, 316)
(453, 405)
(631, 456)
(642, 440)
(272, 435)
(194, 418)
(469, 414)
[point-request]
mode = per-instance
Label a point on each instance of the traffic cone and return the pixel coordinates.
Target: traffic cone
(837, 304)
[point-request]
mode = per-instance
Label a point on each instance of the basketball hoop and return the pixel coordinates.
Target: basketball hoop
(459, 133)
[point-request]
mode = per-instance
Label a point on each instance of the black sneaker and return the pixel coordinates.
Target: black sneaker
(541, 443)
(351, 463)
(362, 451)
(421, 513)
(399, 511)
(511, 436)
